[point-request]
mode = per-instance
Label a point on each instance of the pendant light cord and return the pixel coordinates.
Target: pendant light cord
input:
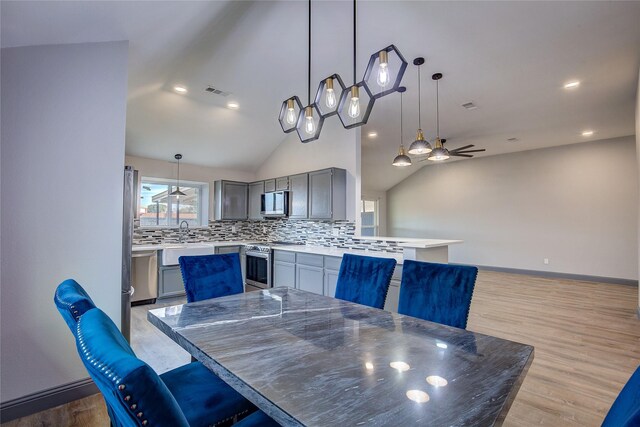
(401, 135)
(438, 108)
(354, 42)
(309, 63)
(419, 101)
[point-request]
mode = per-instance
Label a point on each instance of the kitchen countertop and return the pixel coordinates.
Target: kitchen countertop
(160, 246)
(337, 252)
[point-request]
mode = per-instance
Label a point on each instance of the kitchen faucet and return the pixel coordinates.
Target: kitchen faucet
(182, 230)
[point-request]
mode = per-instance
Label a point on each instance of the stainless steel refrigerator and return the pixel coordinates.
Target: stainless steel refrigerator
(128, 215)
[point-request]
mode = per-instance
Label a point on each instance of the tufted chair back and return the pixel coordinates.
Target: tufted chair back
(439, 293)
(625, 411)
(211, 276)
(134, 392)
(365, 280)
(72, 302)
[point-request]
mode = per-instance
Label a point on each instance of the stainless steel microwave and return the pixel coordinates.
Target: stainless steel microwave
(275, 203)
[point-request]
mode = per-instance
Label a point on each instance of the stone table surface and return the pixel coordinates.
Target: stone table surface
(311, 360)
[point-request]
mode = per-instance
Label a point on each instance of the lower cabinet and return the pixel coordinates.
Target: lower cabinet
(391, 303)
(170, 282)
(310, 278)
(330, 282)
(284, 274)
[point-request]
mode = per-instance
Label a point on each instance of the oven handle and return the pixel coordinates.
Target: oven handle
(258, 254)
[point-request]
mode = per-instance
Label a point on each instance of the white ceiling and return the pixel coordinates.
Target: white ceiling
(510, 58)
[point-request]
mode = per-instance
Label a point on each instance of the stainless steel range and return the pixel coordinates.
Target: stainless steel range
(259, 264)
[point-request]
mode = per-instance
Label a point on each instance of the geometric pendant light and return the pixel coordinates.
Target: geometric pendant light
(310, 119)
(401, 159)
(177, 191)
(420, 145)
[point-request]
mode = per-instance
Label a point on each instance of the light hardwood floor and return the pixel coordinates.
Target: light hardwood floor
(586, 338)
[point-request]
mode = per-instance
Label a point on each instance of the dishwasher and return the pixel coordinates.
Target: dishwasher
(144, 277)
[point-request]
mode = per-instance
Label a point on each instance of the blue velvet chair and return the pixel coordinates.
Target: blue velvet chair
(625, 411)
(72, 302)
(187, 396)
(365, 280)
(437, 292)
(211, 276)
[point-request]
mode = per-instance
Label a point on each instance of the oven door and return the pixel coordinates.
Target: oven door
(258, 269)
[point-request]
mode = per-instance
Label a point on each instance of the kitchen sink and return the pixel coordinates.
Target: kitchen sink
(170, 254)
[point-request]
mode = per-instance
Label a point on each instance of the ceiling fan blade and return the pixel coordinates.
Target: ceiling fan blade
(468, 151)
(459, 155)
(463, 148)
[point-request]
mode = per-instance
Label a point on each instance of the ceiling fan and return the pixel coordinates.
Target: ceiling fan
(458, 152)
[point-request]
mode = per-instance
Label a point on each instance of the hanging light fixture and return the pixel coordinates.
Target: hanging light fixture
(401, 159)
(420, 145)
(439, 153)
(310, 119)
(177, 191)
(356, 101)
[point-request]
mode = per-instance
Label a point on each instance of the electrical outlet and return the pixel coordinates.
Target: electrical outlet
(546, 261)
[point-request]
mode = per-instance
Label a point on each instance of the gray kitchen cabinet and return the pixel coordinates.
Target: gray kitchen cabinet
(269, 185)
(282, 184)
(255, 197)
(284, 274)
(228, 249)
(170, 282)
(309, 278)
(393, 296)
(327, 194)
(330, 282)
(230, 200)
(298, 196)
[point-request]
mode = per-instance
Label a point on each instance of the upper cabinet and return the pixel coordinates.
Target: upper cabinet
(327, 194)
(230, 200)
(282, 184)
(255, 200)
(299, 196)
(269, 185)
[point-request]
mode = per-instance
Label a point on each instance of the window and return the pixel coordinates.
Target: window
(158, 208)
(369, 216)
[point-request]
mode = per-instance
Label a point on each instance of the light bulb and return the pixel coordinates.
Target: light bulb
(354, 108)
(309, 126)
(291, 112)
(383, 75)
(330, 99)
(383, 70)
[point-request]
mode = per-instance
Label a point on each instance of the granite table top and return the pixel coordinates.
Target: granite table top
(311, 360)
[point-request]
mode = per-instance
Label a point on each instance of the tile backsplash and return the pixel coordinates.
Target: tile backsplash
(319, 233)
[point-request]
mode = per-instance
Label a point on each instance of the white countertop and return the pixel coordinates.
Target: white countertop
(428, 243)
(160, 246)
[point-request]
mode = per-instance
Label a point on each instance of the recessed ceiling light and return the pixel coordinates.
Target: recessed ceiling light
(587, 133)
(180, 89)
(572, 85)
(372, 134)
(233, 105)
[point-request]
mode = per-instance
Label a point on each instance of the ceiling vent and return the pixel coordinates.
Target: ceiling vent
(214, 91)
(512, 139)
(470, 106)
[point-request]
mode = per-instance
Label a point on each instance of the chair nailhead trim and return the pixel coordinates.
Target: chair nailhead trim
(134, 406)
(121, 387)
(145, 422)
(127, 398)
(140, 414)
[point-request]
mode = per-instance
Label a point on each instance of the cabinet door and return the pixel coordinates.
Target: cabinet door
(234, 200)
(298, 196)
(282, 184)
(170, 283)
(310, 279)
(284, 274)
(269, 185)
(228, 250)
(320, 194)
(393, 296)
(330, 282)
(255, 195)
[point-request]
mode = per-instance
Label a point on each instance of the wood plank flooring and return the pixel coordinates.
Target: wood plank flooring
(586, 338)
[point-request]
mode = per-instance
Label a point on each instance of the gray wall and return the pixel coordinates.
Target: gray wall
(576, 205)
(63, 128)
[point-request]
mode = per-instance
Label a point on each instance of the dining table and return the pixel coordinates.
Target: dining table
(312, 360)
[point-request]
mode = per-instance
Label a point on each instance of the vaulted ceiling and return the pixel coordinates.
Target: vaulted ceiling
(510, 58)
